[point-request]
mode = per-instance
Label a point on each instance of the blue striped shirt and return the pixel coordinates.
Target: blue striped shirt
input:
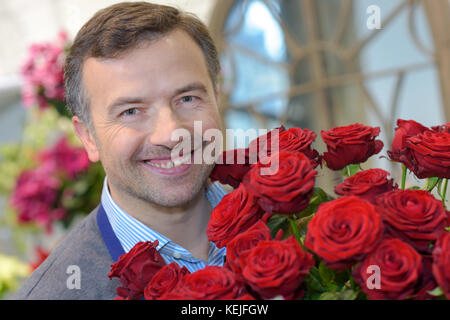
(130, 231)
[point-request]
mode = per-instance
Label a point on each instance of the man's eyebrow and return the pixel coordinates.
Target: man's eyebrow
(124, 101)
(195, 86)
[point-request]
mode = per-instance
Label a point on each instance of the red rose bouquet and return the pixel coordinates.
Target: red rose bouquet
(287, 239)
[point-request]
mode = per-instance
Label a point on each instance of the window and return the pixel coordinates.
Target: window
(316, 63)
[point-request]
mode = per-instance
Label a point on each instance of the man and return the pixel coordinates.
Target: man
(135, 73)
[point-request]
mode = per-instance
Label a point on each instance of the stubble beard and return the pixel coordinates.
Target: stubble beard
(156, 190)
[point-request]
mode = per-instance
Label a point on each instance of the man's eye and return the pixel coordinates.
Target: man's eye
(130, 112)
(187, 99)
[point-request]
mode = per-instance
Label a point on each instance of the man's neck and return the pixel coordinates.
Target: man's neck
(184, 225)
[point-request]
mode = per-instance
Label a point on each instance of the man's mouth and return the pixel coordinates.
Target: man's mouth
(166, 165)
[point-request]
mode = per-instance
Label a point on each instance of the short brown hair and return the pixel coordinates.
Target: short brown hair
(121, 27)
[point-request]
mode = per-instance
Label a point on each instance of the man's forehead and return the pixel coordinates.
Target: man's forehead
(176, 46)
(147, 66)
(170, 40)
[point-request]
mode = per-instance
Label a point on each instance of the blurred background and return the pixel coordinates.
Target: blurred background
(307, 63)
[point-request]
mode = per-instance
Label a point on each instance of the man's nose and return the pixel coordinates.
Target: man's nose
(167, 121)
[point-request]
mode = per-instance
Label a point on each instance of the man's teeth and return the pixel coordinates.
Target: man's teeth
(169, 164)
(166, 165)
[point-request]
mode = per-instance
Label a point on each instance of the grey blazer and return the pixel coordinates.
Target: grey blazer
(76, 269)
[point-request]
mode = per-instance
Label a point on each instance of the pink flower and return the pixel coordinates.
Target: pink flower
(35, 197)
(68, 159)
(43, 73)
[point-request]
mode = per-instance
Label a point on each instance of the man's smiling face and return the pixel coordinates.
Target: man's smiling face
(136, 101)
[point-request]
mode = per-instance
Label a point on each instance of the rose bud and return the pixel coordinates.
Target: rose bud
(367, 184)
(351, 144)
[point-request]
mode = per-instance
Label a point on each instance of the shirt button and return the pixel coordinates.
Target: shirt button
(177, 255)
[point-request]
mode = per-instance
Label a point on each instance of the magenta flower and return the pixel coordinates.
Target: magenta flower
(43, 73)
(35, 197)
(65, 158)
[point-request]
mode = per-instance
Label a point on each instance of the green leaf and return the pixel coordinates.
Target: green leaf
(313, 284)
(439, 187)
(314, 271)
(436, 292)
(80, 186)
(326, 274)
(302, 224)
(277, 222)
(60, 106)
(414, 188)
(348, 295)
(312, 280)
(341, 278)
(328, 296)
(319, 196)
(350, 170)
(333, 287)
(432, 182)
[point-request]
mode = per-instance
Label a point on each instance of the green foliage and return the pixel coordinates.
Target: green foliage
(350, 170)
(277, 222)
(41, 130)
(431, 183)
(436, 292)
(301, 219)
(11, 271)
(324, 283)
(319, 196)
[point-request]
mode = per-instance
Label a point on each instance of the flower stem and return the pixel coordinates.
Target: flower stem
(404, 169)
(296, 231)
(444, 192)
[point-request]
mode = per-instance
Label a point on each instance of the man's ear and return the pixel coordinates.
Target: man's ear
(86, 137)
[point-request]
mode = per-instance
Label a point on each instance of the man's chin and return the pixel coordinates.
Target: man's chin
(175, 198)
(170, 191)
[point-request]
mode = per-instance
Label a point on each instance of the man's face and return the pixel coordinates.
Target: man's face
(136, 102)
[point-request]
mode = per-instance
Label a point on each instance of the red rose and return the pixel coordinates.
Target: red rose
(414, 216)
(441, 263)
(367, 184)
(41, 255)
(430, 154)
(237, 212)
(136, 268)
(400, 271)
(243, 242)
(344, 230)
(234, 164)
(405, 129)
(351, 144)
(273, 268)
(289, 189)
(164, 280)
(246, 297)
(442, 128)
(296, 140)
(210, 283)
(231, 173)
(262, 145)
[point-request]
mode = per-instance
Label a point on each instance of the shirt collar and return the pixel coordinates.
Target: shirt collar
(130, 231)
